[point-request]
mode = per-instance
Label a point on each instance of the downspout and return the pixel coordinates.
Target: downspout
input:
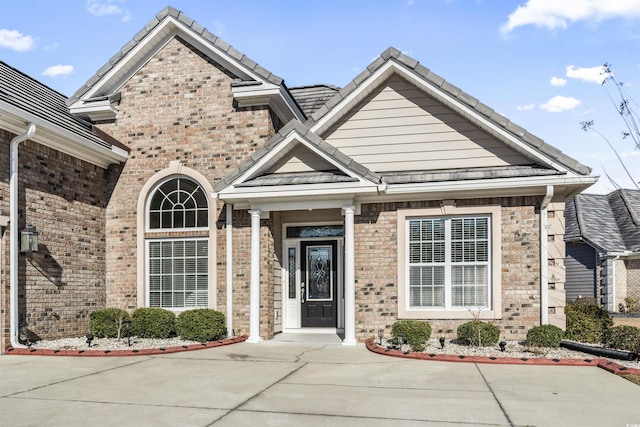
(229, 226)
(13, 241)
(544, 262)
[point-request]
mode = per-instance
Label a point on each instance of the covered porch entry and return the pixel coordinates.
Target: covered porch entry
(317, 270)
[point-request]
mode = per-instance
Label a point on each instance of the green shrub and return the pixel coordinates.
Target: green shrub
(153, 322)
(201, 325)
(107, 322)
(545, 336)
(623, 338)
(478, 333)
(586, 322)
(416, 333)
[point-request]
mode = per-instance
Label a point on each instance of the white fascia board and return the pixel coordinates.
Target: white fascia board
(465, 111)
(61, 139)
(487, 184)
(307, 190)
(297, 205)
(95, 111)
(271, 95)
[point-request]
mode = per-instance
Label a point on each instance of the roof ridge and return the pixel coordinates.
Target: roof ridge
(330, 86)
(393, 54)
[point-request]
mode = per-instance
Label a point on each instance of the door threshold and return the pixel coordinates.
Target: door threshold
(328, 331)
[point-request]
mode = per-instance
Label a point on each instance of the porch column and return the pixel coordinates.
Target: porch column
(254, 291)
(349, 279)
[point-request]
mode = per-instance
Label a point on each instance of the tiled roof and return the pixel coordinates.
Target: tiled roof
(310, 98)
(465, 174)
(33, 97)
(393, 54)
(319, 177)
(192, 25)
(611, 222)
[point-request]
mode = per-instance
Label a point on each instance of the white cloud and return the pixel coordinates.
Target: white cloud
(527, 107)
(557, 81)
(553, 14)
(107, 8)
(15, 40)
(58, 70)
(558, 104)
(52, 46)
(589, 75)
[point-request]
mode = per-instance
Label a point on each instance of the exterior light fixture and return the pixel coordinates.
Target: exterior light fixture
(502, 345)
(441, 342)
(89, 338)
(29, 240)
(380, 335)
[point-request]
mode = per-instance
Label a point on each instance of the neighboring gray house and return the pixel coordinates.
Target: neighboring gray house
(603, 247)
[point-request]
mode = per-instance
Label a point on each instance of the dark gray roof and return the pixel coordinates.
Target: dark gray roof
(610, 222)
(465, 173)
(318, 177)
(393, 54)
(193, 26)
(33, 97)
(295, 126)
(310, 98)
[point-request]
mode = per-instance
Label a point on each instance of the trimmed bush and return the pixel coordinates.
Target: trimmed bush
(153, 322)
(201, 325)
(545, 336)
(586, 322)
(623, 338)
(107, 322)
(416, 333)
(478, 333)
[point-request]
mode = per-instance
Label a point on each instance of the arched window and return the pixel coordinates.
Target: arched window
(178, 203)
(178, 266)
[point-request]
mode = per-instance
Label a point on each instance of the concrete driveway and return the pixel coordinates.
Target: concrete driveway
(304, 384)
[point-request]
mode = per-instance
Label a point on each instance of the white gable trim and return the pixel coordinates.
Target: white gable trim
(153, 42)
(392, 67)
(280, 151)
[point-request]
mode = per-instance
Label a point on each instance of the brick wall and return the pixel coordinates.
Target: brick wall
(376, 267)
(633, 278)
(64, 198)
(178, 106)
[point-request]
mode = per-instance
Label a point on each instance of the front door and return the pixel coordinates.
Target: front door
(318, 281)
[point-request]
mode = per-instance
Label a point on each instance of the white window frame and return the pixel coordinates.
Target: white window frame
(148, 269)
(494, 308)
(153, 192)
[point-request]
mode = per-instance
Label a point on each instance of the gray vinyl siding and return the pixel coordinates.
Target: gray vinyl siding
(301, 159)
(580, 265)
(400, 128)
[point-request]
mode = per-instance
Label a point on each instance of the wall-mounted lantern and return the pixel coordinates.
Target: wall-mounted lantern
(29, 240)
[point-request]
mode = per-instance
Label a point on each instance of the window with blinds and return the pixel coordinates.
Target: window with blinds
(448, 262)
(178, 267)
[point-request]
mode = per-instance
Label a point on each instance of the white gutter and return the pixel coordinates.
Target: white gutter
(229, 225)
(544, 262)
(13, 245)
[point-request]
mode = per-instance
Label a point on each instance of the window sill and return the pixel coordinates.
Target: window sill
(462, 314)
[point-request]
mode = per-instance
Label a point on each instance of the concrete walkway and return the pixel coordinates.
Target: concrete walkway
(304, 384)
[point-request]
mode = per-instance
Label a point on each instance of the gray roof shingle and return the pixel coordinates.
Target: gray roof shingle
(33, 97)
(310, 98)
(610, 222)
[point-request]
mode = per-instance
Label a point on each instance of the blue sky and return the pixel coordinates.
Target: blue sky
(534, 61)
